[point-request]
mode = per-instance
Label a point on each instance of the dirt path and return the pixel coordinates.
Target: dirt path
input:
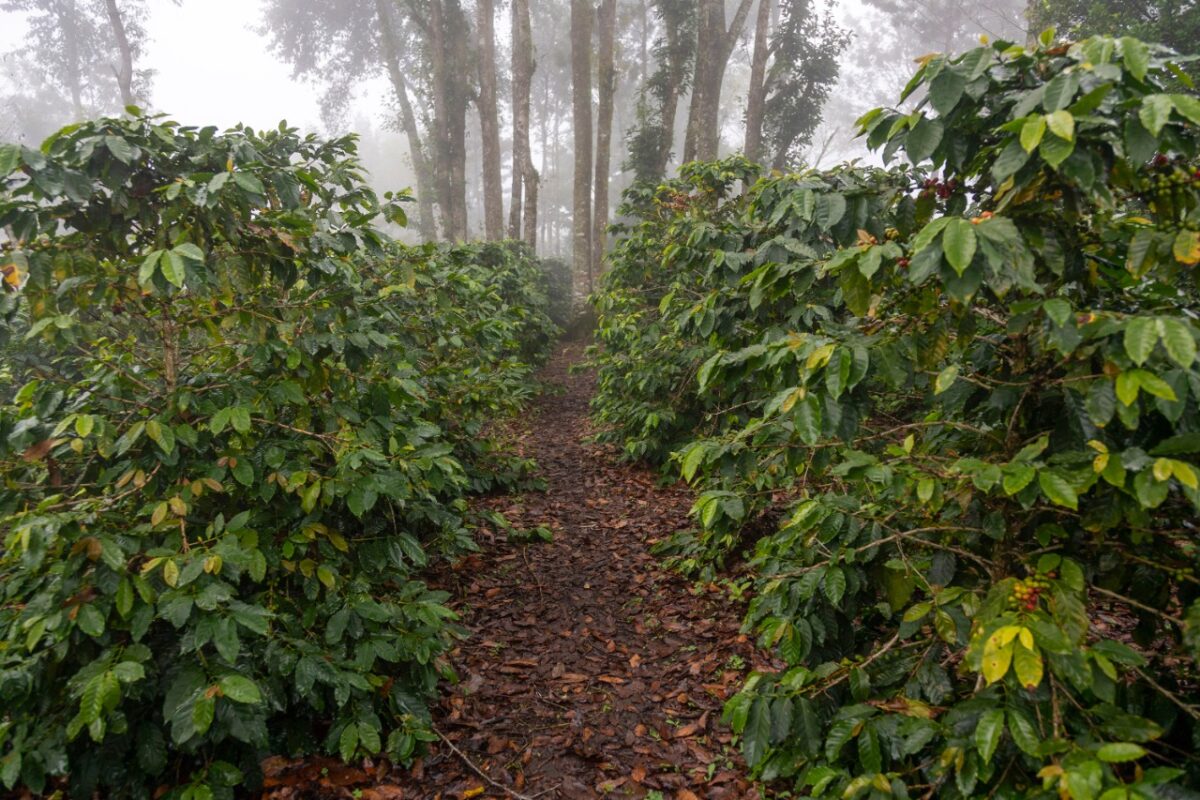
(591, 672)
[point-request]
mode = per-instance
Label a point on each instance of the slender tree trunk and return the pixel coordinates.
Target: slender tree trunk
(606, 84)
(524, 176)
(677, 59)
(530, 232)
(67, 20)
(756, 98)
(125, 70)
(714, 44)
(644, 19)
(458, 37)
(581, 103)
(489, 124)
(437, 51)
(448, 47)
(408, 122)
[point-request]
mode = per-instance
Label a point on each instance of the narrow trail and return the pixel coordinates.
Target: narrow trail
(591, 671)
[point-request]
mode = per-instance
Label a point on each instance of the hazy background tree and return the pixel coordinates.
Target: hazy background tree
(505, 126)
(77, 61)
(581, 117)
(1172, 22)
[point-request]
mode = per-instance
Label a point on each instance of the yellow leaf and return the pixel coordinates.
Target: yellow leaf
(1187, 247)
(178, 507)
(1026, 638)
(171, 574)
(1163, 469)
(160, 513)
(820, 356)
(1099, 463)
(996, 663)
(796, 396)
(1028, 666)
(1098, 446)
(478, 790)
(1184, 473)
(12, 276)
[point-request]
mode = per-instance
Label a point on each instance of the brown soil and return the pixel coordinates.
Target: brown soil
(591, 671)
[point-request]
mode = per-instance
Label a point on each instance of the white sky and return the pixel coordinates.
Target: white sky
(211, 67)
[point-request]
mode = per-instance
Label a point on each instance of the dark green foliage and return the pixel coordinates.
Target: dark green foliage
(806, 49)
(675, 51)
(962, 401)
(1175, 23)
(561, 291)
(248, 423)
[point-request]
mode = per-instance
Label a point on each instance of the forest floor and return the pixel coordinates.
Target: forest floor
(591, 671)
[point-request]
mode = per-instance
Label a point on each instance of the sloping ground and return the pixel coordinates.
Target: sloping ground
(591, 671)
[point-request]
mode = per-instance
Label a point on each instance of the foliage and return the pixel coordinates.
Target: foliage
(65, 66)
(1173, 23)
(806, 48)
(652, 135)
(561, 290)
(245, 422)
(960, 401)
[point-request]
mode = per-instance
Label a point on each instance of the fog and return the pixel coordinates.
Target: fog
(417, 96)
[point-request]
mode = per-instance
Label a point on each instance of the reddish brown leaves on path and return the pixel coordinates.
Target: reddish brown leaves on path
(591, 671)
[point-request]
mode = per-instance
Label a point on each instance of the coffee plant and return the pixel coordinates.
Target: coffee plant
(949, 411)
(240, 423)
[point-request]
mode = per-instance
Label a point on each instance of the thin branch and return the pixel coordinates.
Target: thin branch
(479, 771)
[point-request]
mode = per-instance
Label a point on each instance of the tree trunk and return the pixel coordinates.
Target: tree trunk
(677, 58)
(524, 176)
(408, 121)
(606, 84)
(714, 44)
(581, 107)
(68, 23)
(448, 37)
(531, 206)
(125, 71)
(756, 98)
(489, 124)
(458, 35)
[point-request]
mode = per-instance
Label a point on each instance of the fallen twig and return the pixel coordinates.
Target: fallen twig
(479, 770)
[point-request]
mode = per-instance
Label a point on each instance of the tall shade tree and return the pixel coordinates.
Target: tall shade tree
(804, 53)
(124, 71)
(389, 24)
(337, 43)
(581, 113)
(83, 51)
(524, 196)
(756, 93)
(489, 122)
(606, 84)
(714, 44)
(449, 33)
(652, 138)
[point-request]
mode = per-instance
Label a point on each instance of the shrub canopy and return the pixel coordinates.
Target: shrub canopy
(243, 421)
(958, 399)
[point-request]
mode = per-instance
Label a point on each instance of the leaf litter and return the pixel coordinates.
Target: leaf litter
(591, 670)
